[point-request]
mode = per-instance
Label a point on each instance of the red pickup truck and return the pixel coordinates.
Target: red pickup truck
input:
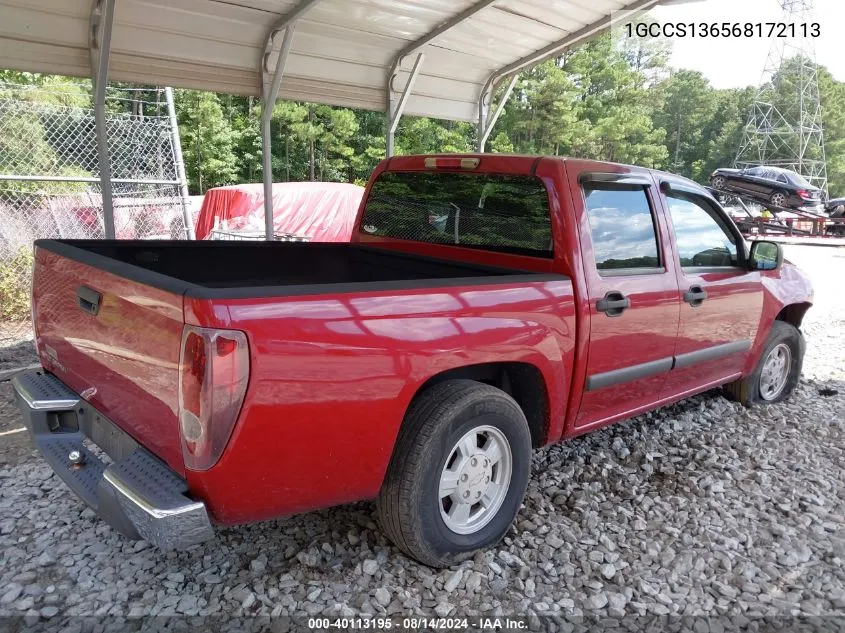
(486, 306)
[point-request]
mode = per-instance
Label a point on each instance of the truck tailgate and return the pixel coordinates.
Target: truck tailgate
(122, 356)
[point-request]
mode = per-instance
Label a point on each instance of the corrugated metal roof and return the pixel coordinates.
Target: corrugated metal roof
(342, 49)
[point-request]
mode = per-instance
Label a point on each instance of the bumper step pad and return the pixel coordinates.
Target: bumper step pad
(137, 494)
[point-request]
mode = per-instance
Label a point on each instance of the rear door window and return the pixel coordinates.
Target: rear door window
(622, 227)
(486, 211)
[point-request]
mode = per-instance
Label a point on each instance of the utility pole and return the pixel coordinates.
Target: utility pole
(784, 126)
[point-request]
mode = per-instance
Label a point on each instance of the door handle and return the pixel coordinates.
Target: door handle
(89, 300)
(695, 296)
(613, 304)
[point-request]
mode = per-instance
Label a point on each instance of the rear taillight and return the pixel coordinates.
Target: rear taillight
(213, 375)
(806, 195)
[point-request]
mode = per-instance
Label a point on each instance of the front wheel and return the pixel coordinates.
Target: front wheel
(458, 473)
(777, 372)
(718, 182)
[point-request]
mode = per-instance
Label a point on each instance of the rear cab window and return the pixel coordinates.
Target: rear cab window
(504, 213)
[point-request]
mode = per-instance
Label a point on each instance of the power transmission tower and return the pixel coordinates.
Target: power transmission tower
(784, 126)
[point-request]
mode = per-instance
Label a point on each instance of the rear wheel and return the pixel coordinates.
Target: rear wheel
(777, 372)
(778, 199)
(458, 472)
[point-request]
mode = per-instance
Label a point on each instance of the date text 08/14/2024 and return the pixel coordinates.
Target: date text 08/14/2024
(381, 623)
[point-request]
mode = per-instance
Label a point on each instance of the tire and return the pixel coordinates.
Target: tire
(410, 508)
(778, 199)
(752, 389)
(719, 182)
(838, 228)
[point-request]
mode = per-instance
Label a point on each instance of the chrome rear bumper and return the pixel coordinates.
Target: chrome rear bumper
(133, 491)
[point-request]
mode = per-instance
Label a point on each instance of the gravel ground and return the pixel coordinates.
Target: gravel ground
(16, 346)
(703, 508)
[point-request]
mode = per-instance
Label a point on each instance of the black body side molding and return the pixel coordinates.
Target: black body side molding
(652, 368)
(711, 353)
(627, 374)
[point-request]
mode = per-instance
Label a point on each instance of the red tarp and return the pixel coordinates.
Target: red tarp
(320, 211)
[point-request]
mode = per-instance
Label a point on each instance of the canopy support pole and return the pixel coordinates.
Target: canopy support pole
(485, 126)
(176, 139)
(102, 18)
(269, 94)
(394, 111)
(268, 102)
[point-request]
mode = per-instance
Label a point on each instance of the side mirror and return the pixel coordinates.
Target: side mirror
(765, 256)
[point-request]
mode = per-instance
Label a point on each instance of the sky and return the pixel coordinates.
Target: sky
(739, 62)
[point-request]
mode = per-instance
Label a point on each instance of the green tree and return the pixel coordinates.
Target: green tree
(244, 116)
(722, 134)
(290, 119)
(501, 144)
(648, 56)
(422, 135)
(208, 140)
(368, 144)
(832, 95)
(686, 103)
(614, 107)
(543, 116)
(339, 127)
(26, 147)
(53, 89)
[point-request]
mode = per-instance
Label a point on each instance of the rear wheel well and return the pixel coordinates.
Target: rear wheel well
(522, 381)
(793, 314)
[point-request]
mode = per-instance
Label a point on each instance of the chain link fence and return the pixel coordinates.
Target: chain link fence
(49, 174)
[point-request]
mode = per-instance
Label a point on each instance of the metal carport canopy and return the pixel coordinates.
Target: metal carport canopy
(437, 58)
